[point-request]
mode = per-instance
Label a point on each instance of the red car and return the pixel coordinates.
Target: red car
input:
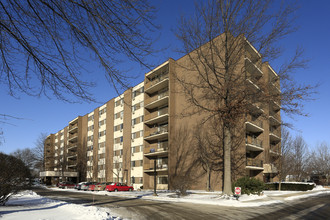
(91, 187)
(118, 187)
(66, 185)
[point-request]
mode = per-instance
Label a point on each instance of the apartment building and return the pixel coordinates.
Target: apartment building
(133, 138)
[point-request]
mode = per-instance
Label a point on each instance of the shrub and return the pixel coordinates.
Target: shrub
(13, 176)
(181, 184)
(249, 185)
(293, 186)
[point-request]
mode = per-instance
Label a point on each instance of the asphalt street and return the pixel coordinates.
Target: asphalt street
(312, 208)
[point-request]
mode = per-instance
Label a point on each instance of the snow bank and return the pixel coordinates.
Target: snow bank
(28, 205)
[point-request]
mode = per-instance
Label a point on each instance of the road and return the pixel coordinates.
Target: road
(134, 208)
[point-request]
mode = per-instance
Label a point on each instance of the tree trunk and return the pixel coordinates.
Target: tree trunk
(208, 173)
(227, 162)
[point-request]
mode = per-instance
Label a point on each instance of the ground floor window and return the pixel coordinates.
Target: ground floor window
(162, 180)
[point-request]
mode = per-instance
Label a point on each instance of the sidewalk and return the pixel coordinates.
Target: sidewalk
(289, 195)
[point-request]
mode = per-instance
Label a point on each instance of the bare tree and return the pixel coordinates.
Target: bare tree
(26, 155)
(46, 46)
(38, 151)
(320, 161)
(285, 161)
(219, 85)
(299, 159)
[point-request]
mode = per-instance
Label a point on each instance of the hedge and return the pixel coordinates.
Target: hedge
(287, 186)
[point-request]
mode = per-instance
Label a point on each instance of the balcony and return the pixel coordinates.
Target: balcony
(273, 121)
(72, 146)
(72, 155)
(275, 106)
(252, 68)
(157, 117)
(157, 84)
(252, 84)
(158, 100)
(274, 135)
(72, 163)
(255, 109)
(73, 138)
(270, 168)
(157, 153)
(275, 150)
(73, 129)
(156, 133)
(159, 168)
(254, 164)
(274, 88)
(253, 144)
(254, 125)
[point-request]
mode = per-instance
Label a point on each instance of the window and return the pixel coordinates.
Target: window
(119, 102)
(90, 128)
(91, 118)
(119, 127)
(119, 140)
(101, 112)
(162, 180)
(102, 122)
(90, 138)
(137, 106)
(102, 144)
(119, 115)
(102, 133)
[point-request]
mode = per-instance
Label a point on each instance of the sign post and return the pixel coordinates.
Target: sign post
(238, 191)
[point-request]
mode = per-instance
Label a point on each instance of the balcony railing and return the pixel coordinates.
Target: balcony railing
(254, 162)
(163, 166)
(156, 80)
(275, 148)
(275, 131)
(254, 141)
(155, 114)
(156, 97)
(157, 130)
(270, 168)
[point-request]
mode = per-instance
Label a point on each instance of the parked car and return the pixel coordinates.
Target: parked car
(91, 187)
(101, 186)
(78, 186)
(86, 185)
(66, 185)
(118, 187)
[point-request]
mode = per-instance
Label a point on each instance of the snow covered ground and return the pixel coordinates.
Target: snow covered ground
(28, 205)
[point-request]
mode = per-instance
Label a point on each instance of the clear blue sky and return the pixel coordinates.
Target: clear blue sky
(50, 115)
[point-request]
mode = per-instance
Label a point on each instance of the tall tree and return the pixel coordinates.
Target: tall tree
(27, 156)
(286, 158)
(38, 151)
(47, 46)
(215, 39)
(300, 159)
(320, 160)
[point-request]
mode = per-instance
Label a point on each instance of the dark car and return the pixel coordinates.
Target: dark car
(118, 187)
(85, 186)
(66, 185)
